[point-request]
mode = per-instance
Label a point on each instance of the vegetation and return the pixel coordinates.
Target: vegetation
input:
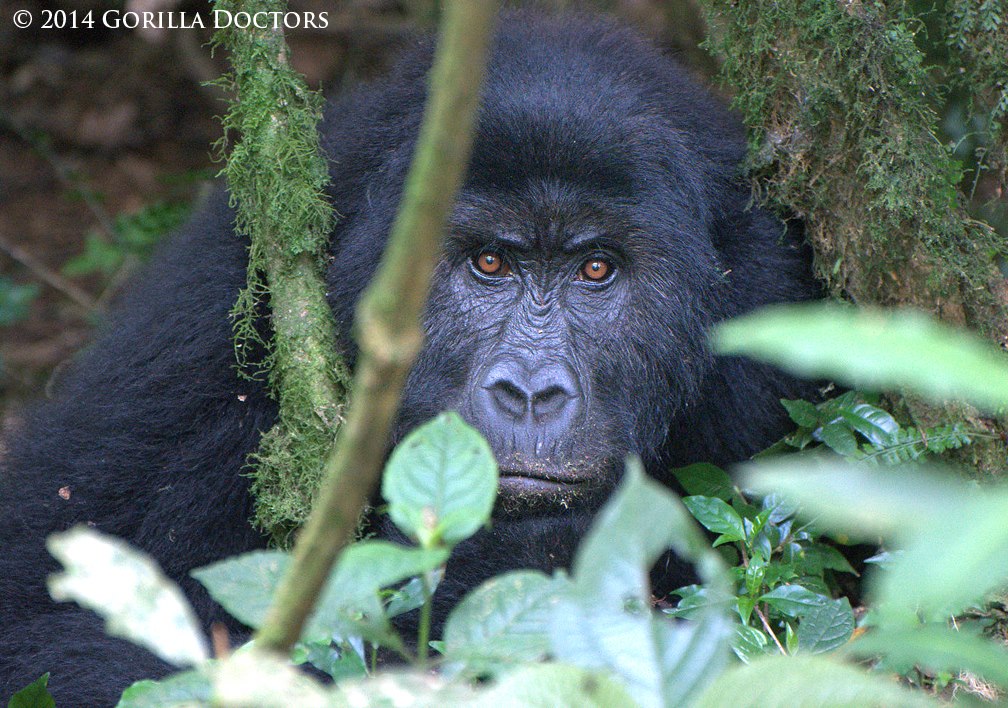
(276, 175)
(845, 104)
(531, 637)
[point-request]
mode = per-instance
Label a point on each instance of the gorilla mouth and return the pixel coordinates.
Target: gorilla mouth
(524, 483)
(537, 485)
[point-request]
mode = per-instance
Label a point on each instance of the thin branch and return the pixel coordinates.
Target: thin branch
(388, 320)
(49, 276)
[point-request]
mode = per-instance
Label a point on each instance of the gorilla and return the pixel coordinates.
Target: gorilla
(603, 227)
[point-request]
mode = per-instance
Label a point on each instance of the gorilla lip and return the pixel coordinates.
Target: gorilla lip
(516, 482)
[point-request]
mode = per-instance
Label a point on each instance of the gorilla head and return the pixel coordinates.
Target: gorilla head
(602, 228)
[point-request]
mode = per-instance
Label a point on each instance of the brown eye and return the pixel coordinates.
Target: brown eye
(595, 270)
(490, 263)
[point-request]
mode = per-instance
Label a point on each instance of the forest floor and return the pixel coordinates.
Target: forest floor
(96, 126)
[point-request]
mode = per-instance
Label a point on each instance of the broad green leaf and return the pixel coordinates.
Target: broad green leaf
(823, 628)
(749, 643)
(265, 680)
(794, 600)
(937, 648)
(552, 685)
(506, 619)
(441, 482)
(839, 438)
(707, 480)
(947, 564)
(716, 516)
(339, 663)
(872, 349)
(874, 423)
(863, 502)
(604, 621)
(350, 602)
(801, 412)
(806, 681)
(244, 584)
(389, 689)
(952, 563)
(128, 590)
(34, 695)
(816, 557)
(187, 688)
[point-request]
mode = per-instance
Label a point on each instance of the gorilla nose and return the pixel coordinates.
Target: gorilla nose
(546, 395)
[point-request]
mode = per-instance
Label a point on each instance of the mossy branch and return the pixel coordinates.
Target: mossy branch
(388, 318)
(277, 174)
(843, 107)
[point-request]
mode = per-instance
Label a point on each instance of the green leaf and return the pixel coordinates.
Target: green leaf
(604, 620)
(128, 590)
(749, 643)
(705, 479)
(802, 412)
(506, 619)
(839, 438)
(937, 648)
(254, 677)
(825, 627)
(716, 516)
(551, 685)
(794, 600)
(441, 482)
(15, 300)
(873, 350)
(393, 688)
(34, 695)
(817, 557)
(878, 427)
(244, 584)
(188, 688)
(339, 663)
(350, 602)
(947, 564)
(806, 681)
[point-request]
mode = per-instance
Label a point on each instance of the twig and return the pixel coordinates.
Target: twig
(50, 277)
(766, 626)
(388, 319)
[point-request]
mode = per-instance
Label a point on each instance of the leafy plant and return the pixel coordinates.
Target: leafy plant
(134, 235)
(15, 300)
(781, 590)
(858, 430)
(590, 636)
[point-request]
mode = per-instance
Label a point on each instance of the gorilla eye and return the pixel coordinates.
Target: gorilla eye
(595, 270)
(491, 263)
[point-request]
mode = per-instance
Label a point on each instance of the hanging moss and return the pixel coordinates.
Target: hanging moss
(277, 175)
(843, 111)
(882, 126)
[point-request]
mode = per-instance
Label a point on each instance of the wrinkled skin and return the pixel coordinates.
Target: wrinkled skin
(603, 227)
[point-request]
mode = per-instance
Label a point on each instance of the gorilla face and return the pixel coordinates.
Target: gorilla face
(560, 326)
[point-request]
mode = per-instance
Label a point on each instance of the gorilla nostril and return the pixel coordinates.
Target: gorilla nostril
(509, 398)
(550, 402)
(515, 393)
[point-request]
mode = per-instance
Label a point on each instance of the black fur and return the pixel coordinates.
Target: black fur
(585, 131)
